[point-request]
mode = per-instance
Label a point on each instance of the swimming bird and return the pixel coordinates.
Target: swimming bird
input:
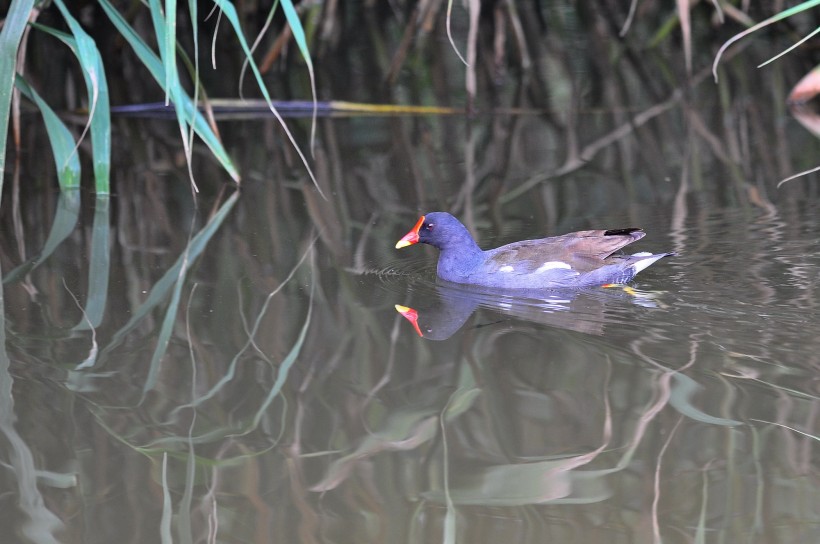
(578, 259)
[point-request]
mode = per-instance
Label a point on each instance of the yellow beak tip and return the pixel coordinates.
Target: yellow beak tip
(402, 243)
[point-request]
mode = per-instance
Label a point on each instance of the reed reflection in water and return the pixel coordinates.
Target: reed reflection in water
(248, 377)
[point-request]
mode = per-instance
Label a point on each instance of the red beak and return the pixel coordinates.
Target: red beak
(410, 315)
(411, 237)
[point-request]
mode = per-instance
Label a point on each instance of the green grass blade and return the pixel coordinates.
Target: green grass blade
(10, 36)
(298, 31)
(299, 36)
(664, 30)
(62, 142)
(99, 109)
(98, 266)
(169, 60)
(174, 92)
(779, 17)
(144, 53)
(230, 14)
(150, 60)
(791, 48)
(100, 126)
(192, 9)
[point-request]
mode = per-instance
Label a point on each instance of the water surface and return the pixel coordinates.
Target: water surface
(254, 381)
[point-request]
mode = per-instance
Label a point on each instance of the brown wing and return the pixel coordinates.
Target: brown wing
(582, 250)
(600, 244)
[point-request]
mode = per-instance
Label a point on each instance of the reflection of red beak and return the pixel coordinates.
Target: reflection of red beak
(411, 315)
(411, 237)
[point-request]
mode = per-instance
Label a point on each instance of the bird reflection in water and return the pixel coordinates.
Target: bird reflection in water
(442, 313)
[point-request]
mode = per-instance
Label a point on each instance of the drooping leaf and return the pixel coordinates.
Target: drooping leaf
(157, 70)
(809, 4)
(232, 17)
(10, 35)
(299, 35)
(60, 138)
(174, 93)
(99, 109)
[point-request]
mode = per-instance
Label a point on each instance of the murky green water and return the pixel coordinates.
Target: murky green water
(293, 403)
(232, 368)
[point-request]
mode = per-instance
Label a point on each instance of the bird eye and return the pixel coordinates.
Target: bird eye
(430, 226)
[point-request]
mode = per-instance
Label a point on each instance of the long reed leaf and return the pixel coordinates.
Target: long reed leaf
(791, 47)
(99, 109)
(779, 17)
(230, 14)
(174, 92)
(157, 70)
(169, 60)
(192, 9)
(299, 36)
(13, 26)
(60, 138)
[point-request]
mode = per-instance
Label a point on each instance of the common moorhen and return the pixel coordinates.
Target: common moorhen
(577, 259)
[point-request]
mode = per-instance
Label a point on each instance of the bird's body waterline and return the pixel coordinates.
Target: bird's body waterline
(577, 259)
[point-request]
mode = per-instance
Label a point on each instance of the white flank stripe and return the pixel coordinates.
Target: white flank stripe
(550, 265)
(642, 254)
(506, 268)
(643, 263)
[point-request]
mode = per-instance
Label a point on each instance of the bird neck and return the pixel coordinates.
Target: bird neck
(459, 257)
